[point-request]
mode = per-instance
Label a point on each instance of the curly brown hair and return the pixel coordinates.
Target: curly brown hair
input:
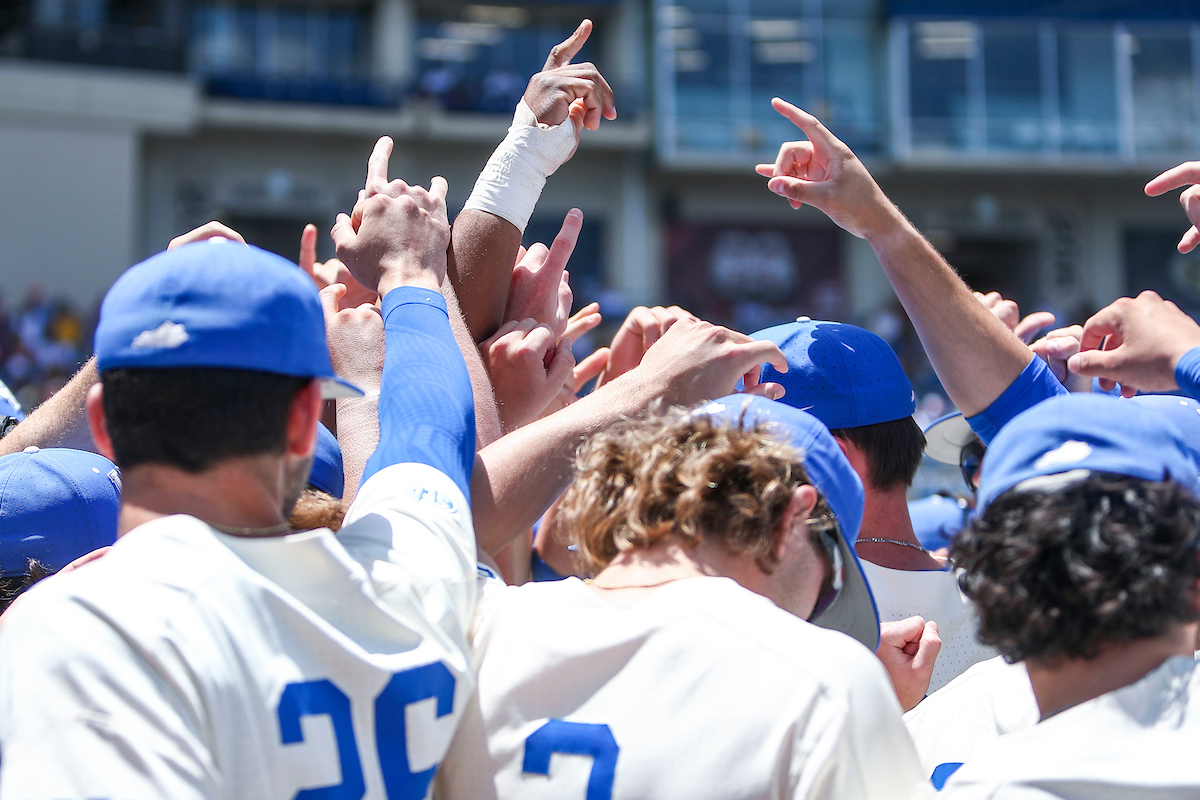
(1059, 574)
(685, 475)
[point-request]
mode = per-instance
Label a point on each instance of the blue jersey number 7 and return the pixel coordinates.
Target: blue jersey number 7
(575, 738)
(313, 698)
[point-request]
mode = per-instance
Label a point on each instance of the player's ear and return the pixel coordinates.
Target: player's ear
(96, 423)
(793, 524)
(303, 415)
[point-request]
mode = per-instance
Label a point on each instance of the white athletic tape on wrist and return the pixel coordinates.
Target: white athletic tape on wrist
(512, 180)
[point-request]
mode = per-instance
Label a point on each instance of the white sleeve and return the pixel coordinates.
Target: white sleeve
(410, 525)
(82, 715)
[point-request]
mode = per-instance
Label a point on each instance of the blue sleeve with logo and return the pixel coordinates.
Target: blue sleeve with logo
(1187, 373)
(1035, 384)
(426, 408)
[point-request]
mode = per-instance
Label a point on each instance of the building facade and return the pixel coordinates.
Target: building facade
(1017, 136)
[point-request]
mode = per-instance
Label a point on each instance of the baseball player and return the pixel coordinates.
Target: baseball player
(213, 653)
(1083, 566)
(678, 670)
(851, 380)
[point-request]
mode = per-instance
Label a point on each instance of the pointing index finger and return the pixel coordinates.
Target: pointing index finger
(805, 121)
(377, 165)
(562, 53)
(1183, 175)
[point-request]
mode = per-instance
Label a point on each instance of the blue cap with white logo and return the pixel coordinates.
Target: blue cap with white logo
(853, 610)
(843, 375)
(1072, 436)
(327, 473)
(217, 304)
(55, 506)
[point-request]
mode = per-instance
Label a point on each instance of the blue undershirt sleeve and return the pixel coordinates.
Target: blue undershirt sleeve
(426, 409)
(1035, 384)
(1187, 373)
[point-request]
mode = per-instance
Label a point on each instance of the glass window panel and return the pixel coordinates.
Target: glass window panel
(853, 91)
(783, 51)
(290, 42)
(940, 54)
(1012, 79)
(1087, 90)
(700, 47)
(1163, 92)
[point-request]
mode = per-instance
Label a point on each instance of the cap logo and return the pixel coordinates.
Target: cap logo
(1069, 452)
(167, 336)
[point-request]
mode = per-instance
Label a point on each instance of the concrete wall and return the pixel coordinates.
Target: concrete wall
(68, 209)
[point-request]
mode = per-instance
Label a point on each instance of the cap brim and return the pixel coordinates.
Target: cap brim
(853, 612)
(946, 437)
(334, 388)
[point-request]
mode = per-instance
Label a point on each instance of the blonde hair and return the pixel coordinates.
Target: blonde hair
(317, 509)
(683, 475)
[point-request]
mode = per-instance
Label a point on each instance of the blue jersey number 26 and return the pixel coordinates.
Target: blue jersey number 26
(575, 738)
(323, 697)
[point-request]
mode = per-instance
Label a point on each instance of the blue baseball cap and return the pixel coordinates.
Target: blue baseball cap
(1182, 412)
(55, 505)
(217, 304)
(843, 375)
(327, 473)
(1072, 436)
(853, 610)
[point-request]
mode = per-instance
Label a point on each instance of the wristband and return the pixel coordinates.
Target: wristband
(1187, 373)
(512, 180)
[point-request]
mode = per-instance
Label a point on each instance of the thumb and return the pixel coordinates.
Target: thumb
(928, 647)
(1092, 363)
(330, 296)
(797, 189)
(343, 232)
(576, 113)
(562, 362)
(308, 248)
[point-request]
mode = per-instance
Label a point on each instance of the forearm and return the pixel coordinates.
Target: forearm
(426, 408)
(358, 436)
(61, 421)
(518, 476)
(483, 249)
(487, 415)
(975, 355)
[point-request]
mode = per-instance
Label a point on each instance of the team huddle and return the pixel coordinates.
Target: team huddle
(730, 597)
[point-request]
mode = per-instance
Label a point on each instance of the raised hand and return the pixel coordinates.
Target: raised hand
(528, 366)
(1135, 342)
(355, 338)
(1183, 175)
(403, 234)
(825, 173)
(331, 272)
(551, 92)
(539, 288)
(908, 649)
(696, 361)
(209, 230)
(641, 329)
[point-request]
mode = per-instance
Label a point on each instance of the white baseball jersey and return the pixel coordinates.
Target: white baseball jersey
(191, 664)
(1136, 742)
(702, 689)
(934, 595)
(989, 700)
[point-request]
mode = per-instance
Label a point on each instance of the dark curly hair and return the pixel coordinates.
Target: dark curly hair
(1058, 574)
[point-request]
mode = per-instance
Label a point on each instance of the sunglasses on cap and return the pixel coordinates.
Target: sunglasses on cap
(832, 586)
(969, 460)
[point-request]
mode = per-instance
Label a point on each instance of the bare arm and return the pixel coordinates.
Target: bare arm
(484, 243)
(974, 354)
(61, 421)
